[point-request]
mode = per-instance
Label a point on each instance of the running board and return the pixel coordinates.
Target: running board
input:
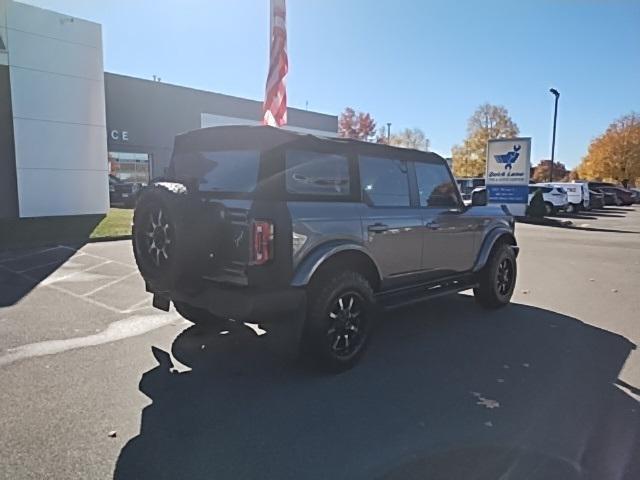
(420, 293)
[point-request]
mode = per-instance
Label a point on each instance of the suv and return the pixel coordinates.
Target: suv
(259, 224)
(555, 197)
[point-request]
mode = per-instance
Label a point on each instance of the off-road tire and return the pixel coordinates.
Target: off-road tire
(186, 240)
(491, 292)
(573, 208)
(549, 209)
(318, 344)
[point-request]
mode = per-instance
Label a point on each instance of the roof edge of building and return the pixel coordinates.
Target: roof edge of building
(210, 92)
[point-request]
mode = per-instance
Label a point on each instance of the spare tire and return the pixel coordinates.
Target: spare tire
(173, 237)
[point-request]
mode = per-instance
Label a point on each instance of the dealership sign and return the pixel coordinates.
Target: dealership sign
(507, 176)
(119, 135)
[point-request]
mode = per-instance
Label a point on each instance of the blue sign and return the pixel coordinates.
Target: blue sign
(509, 158)
(508, 193)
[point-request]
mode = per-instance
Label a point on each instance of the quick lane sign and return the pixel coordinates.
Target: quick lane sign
(507, 175)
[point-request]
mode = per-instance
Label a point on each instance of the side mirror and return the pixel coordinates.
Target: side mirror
(479, 197)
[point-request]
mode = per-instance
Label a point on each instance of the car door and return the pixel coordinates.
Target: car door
(452, 232)
(392, 226)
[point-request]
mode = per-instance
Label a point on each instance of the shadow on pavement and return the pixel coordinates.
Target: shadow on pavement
(23, 270)
(447, 391)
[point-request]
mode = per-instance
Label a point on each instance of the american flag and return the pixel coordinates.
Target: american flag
(275, 102)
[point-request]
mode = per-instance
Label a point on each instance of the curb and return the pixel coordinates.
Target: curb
(112, 238)
(64, 241)
(546, 222)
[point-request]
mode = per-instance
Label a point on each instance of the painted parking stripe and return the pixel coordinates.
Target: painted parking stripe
(109, 284)
(119, 330)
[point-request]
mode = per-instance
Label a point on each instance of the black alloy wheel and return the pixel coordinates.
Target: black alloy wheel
(157, 237)
(347, 325)
(504, 276)
(497, 279)
(341, 312)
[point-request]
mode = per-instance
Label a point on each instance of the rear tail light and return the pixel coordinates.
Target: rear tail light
(262, 247)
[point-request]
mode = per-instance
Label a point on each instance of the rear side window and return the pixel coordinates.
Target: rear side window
(316, 173)
(385, 182)
(234, 171)
(435, 187)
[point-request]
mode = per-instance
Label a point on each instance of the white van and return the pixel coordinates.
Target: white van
(577, 194)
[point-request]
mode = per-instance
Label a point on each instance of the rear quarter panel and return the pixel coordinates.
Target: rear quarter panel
(490, 219)
(324, 223)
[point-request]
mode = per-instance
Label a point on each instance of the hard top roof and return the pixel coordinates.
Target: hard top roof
(264, 138)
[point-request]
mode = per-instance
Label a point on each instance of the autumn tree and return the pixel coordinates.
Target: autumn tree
(541, 172)
(358, 125)
(486, 123)
(410, 138)
(615, 155)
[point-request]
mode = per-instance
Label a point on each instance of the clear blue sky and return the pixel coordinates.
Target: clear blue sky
(418, 63)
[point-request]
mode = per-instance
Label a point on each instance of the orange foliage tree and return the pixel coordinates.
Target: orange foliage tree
(360, 125)
(615, 155)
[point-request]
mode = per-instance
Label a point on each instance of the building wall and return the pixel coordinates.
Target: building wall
(144, 116)
(58, 113)
(8, 188)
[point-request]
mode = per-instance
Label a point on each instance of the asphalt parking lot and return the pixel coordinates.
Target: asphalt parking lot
(545, 388)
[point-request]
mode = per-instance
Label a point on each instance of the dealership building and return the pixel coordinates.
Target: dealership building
(65, 124)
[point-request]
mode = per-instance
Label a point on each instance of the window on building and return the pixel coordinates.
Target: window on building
(435, 186)
(130, 167)
(2, 45)
(385, 182)
(315, 173)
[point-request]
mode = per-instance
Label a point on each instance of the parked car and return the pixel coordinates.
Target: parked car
(555, 198)
(263, 224)
(577, 195)
(121, 193)
(595, 185)
(467, 185)
(636, 194)
(622, 195)
(596, 199)
(609, 198)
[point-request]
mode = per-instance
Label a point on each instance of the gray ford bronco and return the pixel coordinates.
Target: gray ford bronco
(259, 224)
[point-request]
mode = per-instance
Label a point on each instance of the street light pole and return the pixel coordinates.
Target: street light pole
(388, 132)
(556, 94)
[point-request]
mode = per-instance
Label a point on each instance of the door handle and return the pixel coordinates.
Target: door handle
(433, 225)
(378, 228)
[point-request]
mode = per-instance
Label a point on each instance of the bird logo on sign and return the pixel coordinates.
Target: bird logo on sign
(509, 158)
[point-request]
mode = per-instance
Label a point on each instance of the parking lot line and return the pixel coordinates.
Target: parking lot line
(108, 284)
(99, 256)
(138, 305)
(55, 262)
(68, 292)
(65, 277)
(26, 255)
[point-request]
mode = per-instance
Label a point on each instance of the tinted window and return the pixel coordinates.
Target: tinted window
(435, 187)
(315, 173)
(385, 182)
(223, 171)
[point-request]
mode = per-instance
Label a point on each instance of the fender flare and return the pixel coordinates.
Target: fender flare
(489, 241)
(305, 270)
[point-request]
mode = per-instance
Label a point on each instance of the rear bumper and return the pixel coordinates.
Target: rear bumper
(243, 304)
